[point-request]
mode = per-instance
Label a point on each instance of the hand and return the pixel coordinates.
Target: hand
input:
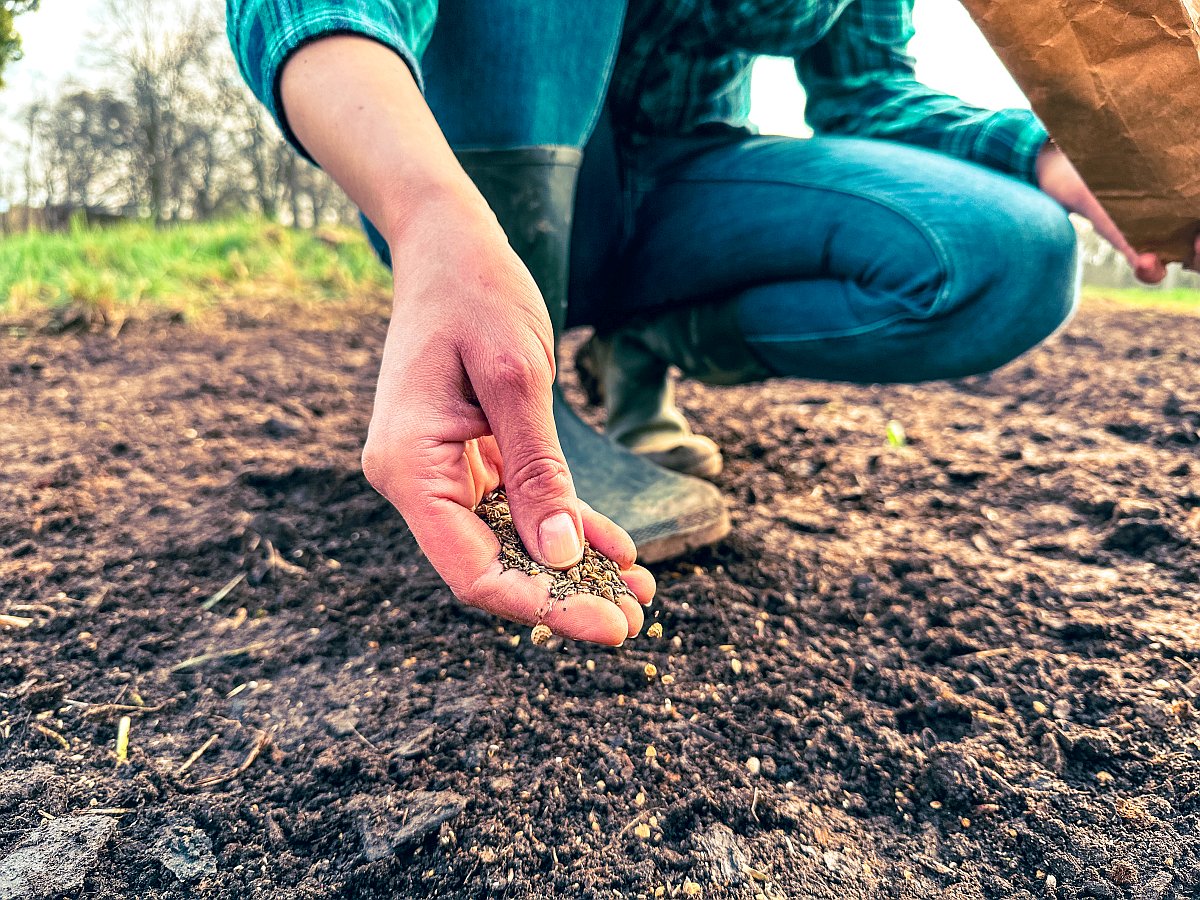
(463, 405)
(463, 402)
(1058, 178)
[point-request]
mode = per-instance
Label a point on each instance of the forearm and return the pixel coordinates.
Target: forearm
(356, 108)
(902, 109)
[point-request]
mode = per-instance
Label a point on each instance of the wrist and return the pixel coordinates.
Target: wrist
(417, 207)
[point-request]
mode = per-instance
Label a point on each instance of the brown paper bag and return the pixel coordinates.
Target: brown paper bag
(1117, 83)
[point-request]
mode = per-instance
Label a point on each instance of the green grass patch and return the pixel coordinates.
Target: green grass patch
(183, 268)
(1173, 298)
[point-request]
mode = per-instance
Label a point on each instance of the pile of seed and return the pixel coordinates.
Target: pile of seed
(594, 574)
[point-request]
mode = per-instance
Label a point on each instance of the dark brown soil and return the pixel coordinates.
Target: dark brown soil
(967, 668)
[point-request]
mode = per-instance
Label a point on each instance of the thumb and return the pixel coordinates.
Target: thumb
(514, 388)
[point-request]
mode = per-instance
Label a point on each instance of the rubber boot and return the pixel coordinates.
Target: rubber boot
(637, 391)
(532, 192)
(629, 372)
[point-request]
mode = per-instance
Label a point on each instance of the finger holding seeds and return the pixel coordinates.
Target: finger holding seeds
(588, 597)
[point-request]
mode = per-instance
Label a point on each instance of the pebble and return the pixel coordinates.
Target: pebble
(691, 889)
(55, 857)
(754, 764)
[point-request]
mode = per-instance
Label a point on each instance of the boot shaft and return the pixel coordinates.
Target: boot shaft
(532, 192)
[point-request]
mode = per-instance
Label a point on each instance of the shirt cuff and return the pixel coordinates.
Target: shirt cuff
(367, 18)
(1016, 138)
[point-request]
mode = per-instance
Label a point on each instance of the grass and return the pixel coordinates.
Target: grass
(182, 269)
(1174, 298)
(115, 272)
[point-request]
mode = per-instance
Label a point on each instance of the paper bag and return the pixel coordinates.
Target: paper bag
(1117, 84)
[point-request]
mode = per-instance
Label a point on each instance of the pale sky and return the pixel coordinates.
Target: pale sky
(950, 53)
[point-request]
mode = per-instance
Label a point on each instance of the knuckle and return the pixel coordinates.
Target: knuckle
(543, 479)
(518, 372)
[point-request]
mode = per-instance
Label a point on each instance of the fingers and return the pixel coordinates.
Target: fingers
(641, 582)
(608, 537)
(513, 383)
(1148, 268)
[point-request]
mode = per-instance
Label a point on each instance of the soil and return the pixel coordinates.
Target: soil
(964, 668)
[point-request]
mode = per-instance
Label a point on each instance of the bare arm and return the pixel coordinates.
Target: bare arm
(463, 401)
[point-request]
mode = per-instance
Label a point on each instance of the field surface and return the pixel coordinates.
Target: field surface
(965, 667)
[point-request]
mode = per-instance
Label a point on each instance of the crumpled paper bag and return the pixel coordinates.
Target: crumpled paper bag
(1117, 84)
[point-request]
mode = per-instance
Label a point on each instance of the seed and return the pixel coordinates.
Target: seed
(1040, 708)
(642, 830)
(651, 752)
(691, 889)
(655, 630)
(607, 593)
(668, 679)
(541, 634)
(754, 764)
(651, 670)
(736, 665)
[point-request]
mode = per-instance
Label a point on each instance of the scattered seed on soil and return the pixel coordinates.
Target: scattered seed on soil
(642, 830)
(540, 634)
(655, 630)
(651, 670)
(595, 574)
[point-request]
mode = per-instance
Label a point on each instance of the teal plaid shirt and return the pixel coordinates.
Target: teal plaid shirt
(686, 63)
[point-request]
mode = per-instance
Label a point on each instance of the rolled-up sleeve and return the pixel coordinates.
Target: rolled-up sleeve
(860, 81)
(265, 33)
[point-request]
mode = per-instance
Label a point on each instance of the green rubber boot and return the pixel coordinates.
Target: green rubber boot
(532, 192)
(629, 372)
(637, 391)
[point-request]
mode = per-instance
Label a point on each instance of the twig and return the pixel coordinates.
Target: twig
(123, 739)
(259, 742)
(219, 654)
(223, 592)
(195, 756)
(52, 735)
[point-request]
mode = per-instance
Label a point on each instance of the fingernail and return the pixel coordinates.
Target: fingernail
(559, 541)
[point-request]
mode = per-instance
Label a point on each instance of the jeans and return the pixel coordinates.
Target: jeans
(846, 259)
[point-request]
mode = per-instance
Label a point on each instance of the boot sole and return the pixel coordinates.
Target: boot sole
(682, 537)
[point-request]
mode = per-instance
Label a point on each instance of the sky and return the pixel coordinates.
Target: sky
(950, 52)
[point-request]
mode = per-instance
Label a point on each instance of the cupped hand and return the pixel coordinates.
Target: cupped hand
(463, 405)
(1060, 180)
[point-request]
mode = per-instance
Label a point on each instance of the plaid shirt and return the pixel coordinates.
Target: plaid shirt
(685, 63)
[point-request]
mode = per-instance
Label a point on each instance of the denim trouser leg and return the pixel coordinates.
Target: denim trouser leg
(502, 74)
(848, 259)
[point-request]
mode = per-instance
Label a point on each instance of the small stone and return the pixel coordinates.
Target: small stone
(55, 858)
(655, 630)
(590, 665)
(691, 889)
(1040, 708)
(185, 851)
(754, 764)
(540, 635)
(642, 830)
(965, 822)
(1104, 777)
